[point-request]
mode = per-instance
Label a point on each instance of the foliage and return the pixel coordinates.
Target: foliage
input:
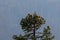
(29, 21)
(19, 37)
(47, 35)
(30, 24)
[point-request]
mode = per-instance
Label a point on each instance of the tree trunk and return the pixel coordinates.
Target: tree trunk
(34, 33)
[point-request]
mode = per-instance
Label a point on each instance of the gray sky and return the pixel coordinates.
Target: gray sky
(11, 12)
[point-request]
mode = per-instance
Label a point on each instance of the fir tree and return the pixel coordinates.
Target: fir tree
(30, 24)
(47, 35)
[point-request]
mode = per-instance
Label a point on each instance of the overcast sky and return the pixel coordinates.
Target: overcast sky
(12, 11)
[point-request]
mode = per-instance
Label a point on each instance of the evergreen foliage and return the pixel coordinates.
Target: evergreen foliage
(30, 24)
